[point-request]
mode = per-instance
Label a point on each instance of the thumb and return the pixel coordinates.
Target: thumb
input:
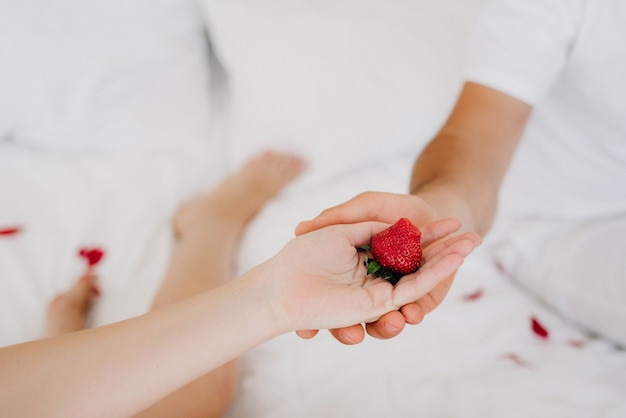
(360, 208)
(326, 218)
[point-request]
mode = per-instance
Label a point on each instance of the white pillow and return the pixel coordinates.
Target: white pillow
(344, 83)
(82, 76)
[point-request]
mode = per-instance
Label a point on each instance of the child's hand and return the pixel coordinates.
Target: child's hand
(324, 284)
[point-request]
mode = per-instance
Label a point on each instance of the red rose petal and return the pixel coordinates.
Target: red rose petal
(516, 359)
(477, 294)
(503, 271)
(538, 329)
(576, 343)
(91, 255)
(10, 231)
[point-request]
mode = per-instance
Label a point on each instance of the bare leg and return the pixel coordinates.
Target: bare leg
(208, 231)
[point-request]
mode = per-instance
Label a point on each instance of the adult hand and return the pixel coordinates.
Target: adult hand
(326, 283)
(388, 208)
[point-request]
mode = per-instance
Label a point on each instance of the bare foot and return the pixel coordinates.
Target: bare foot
(67, 311)
(243, 194)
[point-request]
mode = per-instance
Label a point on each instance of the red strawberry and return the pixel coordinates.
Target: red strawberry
(396, 251)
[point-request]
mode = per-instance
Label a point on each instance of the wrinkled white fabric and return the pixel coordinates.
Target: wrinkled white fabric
(563, 203)
(113, 76)
(567, 58)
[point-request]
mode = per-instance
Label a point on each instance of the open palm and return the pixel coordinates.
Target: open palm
(332, 290)
(384, 207)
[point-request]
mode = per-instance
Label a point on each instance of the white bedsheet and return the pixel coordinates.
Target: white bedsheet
(472, 358)
(122, 204)
(469, 358)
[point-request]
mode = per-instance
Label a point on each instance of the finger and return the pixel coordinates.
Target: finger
(413, 313)
(462, 245)
(439, 229)
(438, 245)
(340, 214)
(413, 287)
(363, 207)
(359, 234)
(428, 303)
(387, 326)
(307, 334)
(349, 335)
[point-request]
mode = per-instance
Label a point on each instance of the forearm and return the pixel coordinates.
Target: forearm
(120, 369)
(461, 170)
(456, 183)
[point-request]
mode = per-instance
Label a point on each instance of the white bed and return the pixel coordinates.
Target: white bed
(357, 87)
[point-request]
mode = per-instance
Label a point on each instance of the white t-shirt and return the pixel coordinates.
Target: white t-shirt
(83, 76)
(567, 58)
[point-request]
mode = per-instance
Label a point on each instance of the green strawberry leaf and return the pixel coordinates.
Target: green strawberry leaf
(388, 274)
(376, 270)
(373, 267)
